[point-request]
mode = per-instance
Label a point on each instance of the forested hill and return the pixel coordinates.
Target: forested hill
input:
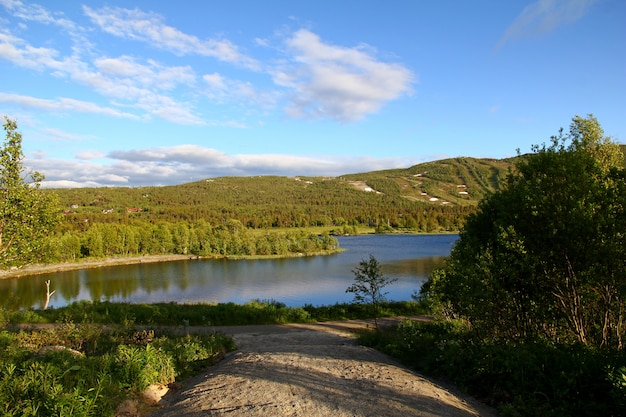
(434, 196)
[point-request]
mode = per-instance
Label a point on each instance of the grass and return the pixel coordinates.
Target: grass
(205, 314)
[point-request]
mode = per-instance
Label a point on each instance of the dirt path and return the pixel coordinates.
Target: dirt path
(311, 370)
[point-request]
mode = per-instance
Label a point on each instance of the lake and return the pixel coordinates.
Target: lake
(316, 280)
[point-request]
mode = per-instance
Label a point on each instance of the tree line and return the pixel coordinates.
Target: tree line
(32, 228)
(102, 240)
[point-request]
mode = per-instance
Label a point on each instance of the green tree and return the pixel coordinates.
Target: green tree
(544, 256)
(368, 285)
(27, 215)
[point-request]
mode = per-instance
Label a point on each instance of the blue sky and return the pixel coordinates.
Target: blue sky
(129, 93)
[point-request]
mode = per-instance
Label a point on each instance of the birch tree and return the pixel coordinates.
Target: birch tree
(27, 215)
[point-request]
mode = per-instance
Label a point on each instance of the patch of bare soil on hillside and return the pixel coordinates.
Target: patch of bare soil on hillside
(311, 370)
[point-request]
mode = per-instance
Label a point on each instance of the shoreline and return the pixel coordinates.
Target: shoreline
(40, 269)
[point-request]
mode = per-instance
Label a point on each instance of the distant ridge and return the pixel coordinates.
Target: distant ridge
(459, 181)
(431, 196)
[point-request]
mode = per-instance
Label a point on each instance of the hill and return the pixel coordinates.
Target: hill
(459, 181)
(432, 196)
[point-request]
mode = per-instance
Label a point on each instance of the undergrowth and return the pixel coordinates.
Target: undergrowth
(530, 379)
(86, 370)
(205, 314)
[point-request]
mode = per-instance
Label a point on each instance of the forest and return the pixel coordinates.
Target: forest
(107, 240)
(398, 200)
(267, 215)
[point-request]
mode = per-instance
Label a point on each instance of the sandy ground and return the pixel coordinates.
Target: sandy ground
(311, 370)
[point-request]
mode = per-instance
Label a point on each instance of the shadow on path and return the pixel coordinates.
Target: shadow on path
(312, 370)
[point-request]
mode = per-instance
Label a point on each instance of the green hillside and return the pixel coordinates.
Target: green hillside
(433, 196)
(458, 181)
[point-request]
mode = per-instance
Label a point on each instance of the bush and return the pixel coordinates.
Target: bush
(529, 379)
(86, 370)
(54, 384)
(351, 311)
(192, 353)
(138, 367)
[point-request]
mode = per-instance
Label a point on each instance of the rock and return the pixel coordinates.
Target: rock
(47, 349)
(152, 395)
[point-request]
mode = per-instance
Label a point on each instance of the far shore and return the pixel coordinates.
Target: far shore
(38, 269)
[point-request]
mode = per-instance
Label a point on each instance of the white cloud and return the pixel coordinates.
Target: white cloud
(141, 91)
(66, 173)
(169, 109)
(37, 13)
(222, 89)
(543, 16)
(16, 50)
(149, 27)
(181, 154)
(315, 80)
(63, 104)
(215, 81)
(153, 75)
(69, 184)
(184, 163)
(59, 134)
(344, 84)
(87, 155)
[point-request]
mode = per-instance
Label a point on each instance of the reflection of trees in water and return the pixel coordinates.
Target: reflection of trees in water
(125, 282)
(30, 292)
(68, 288)
(109, 283)
(421, 267)
(16, 295)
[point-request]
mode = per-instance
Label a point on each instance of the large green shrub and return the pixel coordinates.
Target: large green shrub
(544, 256)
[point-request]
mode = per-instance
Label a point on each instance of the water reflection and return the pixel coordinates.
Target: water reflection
(293, 281)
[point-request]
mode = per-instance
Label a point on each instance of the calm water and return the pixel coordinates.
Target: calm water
(318, 280)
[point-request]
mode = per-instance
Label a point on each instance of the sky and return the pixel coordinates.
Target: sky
(142, 93)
